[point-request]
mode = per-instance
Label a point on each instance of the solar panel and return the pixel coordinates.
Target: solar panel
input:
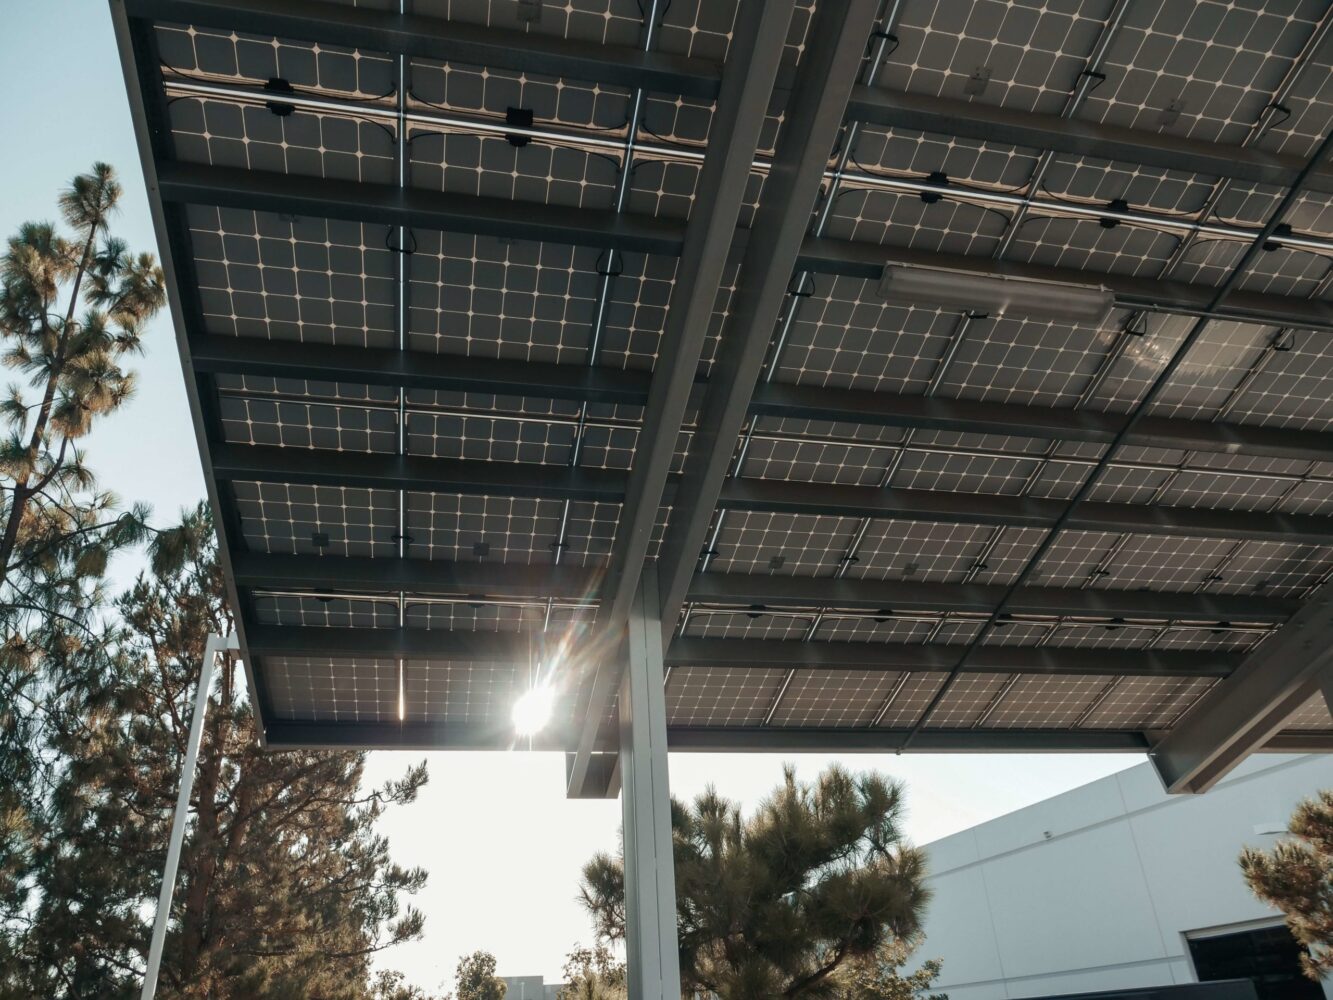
(478, 238)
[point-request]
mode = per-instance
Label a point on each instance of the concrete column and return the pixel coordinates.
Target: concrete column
(650, 881)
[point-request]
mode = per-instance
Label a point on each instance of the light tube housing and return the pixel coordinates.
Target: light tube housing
(995, 295)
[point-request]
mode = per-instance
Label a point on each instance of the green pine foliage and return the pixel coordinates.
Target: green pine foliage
(594, 974)
(1296, 876)
(56, 529)
(286, 890)
(784, 903)
(475, 978)
(880, 976)
(73, 305)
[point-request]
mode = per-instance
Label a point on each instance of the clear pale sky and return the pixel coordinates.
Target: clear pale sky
(501, 842)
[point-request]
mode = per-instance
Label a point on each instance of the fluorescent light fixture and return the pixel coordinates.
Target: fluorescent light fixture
(533, 709)
(995, 295)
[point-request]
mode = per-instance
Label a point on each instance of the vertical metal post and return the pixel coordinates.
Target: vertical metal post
(650, 876)
(215, 646)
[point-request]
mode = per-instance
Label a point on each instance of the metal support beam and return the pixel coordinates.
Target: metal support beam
(441, 40)
(743, 101)
(438, 577)
(802, 739)
(724, 739)
(751, 591)
(913, 657)
(514, 648)
(251, 356)
(438, 644)
(385, 204)
(279, 359)
(827, 72)
(1242, 713)
(215, 646)
(331, 575)
(653, 958)
(1036, 131)
(1016, 511)
(311, 467)
(286, 734)
(965, 416)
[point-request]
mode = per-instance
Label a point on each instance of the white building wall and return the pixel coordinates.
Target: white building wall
(1097, 888)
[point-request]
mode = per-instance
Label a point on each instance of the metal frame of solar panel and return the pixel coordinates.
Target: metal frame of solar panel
(462, 368)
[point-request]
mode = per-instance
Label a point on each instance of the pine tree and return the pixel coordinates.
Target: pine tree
(475, 978)
(879, 976)
(594, 974)
(74, 362)
(782, 903)
(57, 530)
(1297, 878)
(286, 890)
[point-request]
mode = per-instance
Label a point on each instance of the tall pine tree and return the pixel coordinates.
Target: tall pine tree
(73, 306)
(286, 888)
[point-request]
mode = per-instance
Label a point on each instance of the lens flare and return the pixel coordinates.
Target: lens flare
(533, 709)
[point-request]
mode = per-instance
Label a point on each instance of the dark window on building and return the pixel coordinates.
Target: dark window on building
(1270, 957)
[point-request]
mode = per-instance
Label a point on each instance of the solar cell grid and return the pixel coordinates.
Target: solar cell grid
(1012, 360)
(1028, 54)
(907, 152)
(485, 297)
(490, 439)
(305, 64)
(492, 167)
(1205, 70)
(1099, 182)
(324, 611)
(1086, 245)
(1309, 115)
(832, 697)
(610, 22)
(332, 689)
(918, 550)
(293, 278)
(708, 696)
(248, 135)
(1046, 702)
(968, 700)
(1147, 702)
(293, 424)
(317, 520)
(846, 336)
(814, 461)
(905, 702)
(708, 623)
(435, 691)
(869, 215)
(1275, 568)
(836, 627)
(489, 92)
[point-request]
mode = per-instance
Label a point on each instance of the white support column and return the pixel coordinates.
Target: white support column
(650, 876)
(215, 646)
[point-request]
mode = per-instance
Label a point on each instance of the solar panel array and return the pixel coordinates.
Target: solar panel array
(420, 409)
